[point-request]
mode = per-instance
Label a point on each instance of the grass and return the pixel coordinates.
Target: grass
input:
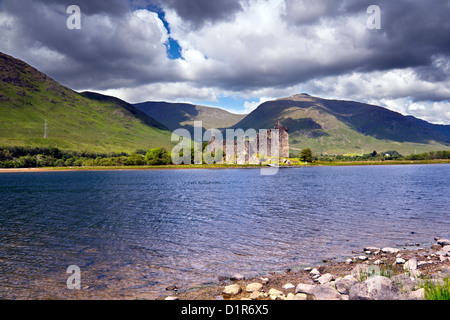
(74, 121)
(391, 162)
(435, 290)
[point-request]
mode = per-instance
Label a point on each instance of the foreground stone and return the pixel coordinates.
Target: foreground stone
(375, 288)
(232, 290)
(443, 242)
(252, 287)
(276, 294)
(390, 250)
(411, 264)
(343, 285)
(325, 292)
(304, 288)
(298, 296)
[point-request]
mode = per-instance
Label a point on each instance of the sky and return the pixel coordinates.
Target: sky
(236, 54)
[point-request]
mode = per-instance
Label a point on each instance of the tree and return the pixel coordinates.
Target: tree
(157, 156)
(306, 155)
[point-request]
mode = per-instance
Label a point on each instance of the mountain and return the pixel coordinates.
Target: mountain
(344, 127)
(183, 115)
(77, 121)
(441, 128)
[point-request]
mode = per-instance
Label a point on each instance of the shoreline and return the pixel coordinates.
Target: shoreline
(407, 269)
(227, 166)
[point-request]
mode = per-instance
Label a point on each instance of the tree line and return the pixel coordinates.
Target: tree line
(388, 155)
(31, 157)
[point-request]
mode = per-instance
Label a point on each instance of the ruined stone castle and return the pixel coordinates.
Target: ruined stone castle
(248, 150)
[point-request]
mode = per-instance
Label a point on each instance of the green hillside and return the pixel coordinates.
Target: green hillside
(344, 127)
(75, 121)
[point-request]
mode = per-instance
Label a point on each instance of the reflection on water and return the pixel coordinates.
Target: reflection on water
(133, 233)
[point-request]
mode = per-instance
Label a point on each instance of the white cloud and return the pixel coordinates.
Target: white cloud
(249, 106)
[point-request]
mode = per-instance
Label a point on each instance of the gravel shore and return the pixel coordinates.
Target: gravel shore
(372, 274)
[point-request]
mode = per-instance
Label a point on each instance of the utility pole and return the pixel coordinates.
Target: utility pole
(45, 130)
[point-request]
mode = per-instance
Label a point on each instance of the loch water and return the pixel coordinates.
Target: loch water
(134, 232)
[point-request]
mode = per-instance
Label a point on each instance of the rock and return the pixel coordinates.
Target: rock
(222, 278)
(399, 261)
(232, 290)
(372, 249)
(404, 281)
(237, 277)
(314, 272)
(288, 286)
(415, 273)
(416, 295)
(325, 292)
(359, 271)
(171, 298)
(446, 248)
(349, 261)
(244, 298)
(298, 296)
(436, 247)
(172, 288)
(276, 294)
(443, 242)
(304, 288)
(375, 288)
(343, 285)
(256, 295)
(252, 287)
(307, 269)
(325, 278)
(264, 280)
(390, 250)
(446, 270)
(411, 264)
(362, 258)
(378, 262)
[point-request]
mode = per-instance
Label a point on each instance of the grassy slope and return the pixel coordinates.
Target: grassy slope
(343, 127)
(75, 121)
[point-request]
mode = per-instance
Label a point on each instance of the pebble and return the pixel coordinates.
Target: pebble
(400, 261)
(252, 287)
(325, 278)
(256, 295)
(362, 258)
(232, 290)
(237, 277)
(264, 280)
(276, 294)
(411, 264)
(288, 286)
(390, 250)
(298, 296)
(443, 242)
(372, 249)
(315, 272)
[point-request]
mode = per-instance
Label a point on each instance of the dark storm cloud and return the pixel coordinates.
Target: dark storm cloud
(411, 34)
(115, 49)
(112, 7)
(198, 12)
